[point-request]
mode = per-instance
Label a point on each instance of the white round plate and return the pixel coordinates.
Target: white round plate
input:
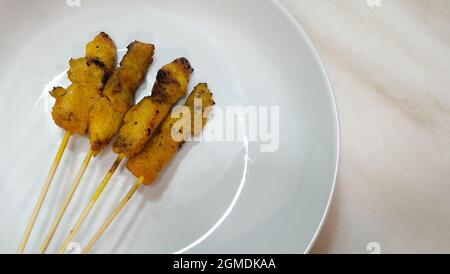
(216, 196)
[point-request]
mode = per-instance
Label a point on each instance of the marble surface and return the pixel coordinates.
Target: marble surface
(390, 68)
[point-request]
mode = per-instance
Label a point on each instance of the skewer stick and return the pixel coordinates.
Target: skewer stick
(91, 203)
(113, 215)
(44, 191)
(66, 202)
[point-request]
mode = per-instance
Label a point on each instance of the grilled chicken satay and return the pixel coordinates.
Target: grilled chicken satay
(70, 112)
(106, 115)
(139, 123)
(142, 119)
(147, 164)
(88, 76)
(162, 147)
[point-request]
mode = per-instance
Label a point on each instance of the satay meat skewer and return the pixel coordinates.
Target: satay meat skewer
(70, 112)
(139, 123)
(106, 114)
(156, 155)
(88, 75)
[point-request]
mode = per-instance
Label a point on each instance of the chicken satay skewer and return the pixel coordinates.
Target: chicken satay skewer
(105, 116)
(44, 191)
(147, 164)
(87, 75)
(139, 124)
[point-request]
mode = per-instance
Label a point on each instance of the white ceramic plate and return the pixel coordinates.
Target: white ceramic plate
(216, 196)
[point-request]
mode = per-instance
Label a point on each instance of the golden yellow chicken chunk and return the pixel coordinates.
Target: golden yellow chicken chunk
(89, 73)
(173, 78)
(106, 115)
(129, 76)
(71, 108)
(104, 50)
(104, 122)
(142, 119)
(88, 76)
(162, 147)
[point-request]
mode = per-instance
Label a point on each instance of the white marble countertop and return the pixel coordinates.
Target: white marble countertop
(390, 68)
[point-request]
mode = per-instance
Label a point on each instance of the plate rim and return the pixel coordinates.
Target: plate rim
(285, 11)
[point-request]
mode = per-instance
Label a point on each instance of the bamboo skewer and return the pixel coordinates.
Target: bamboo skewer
(66, 202)
(91, 203)
(44, 192)
(113, 215)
